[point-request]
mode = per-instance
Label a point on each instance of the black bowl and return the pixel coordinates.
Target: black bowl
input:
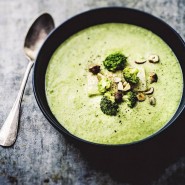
(94, 17)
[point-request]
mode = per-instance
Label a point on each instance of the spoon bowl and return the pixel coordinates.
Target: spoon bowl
(35, 37)
(37, 34)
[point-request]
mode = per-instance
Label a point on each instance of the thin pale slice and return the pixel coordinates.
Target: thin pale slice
(142, 85)
(92, 85)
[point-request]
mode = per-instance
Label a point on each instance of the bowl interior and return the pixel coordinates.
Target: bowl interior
(94, 17)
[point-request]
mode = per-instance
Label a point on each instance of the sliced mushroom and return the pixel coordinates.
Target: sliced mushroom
(153, 58)
(140, 62)
(127, 87)
(153, 77)
(94, 69)
(152, 101)
(117, 79)
(149, 91)
(141, 97)
(120, 86)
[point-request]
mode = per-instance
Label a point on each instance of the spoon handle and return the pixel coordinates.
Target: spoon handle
(8, 132)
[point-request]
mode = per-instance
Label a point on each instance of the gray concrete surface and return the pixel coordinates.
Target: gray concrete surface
(41, 155)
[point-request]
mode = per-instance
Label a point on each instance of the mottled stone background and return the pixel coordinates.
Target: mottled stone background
(41, 155)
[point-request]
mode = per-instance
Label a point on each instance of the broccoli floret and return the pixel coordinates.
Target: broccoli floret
(108, 107)
(114, 61)
(130, 98)
(104, 84)
(130, 75)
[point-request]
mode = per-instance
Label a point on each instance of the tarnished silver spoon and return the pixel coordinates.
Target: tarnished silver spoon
(33, 41)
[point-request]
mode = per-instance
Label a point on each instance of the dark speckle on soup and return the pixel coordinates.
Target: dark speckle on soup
(67, 87)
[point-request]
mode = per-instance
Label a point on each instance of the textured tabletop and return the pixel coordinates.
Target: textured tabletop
(41, 155)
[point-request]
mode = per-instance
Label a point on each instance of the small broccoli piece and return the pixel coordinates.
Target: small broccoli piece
(109, 96)
(130, 75)
(130, 98)
(104, 84)
(108, 107)
(114, 61)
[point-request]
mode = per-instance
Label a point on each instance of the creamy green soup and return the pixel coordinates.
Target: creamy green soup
(67, 84)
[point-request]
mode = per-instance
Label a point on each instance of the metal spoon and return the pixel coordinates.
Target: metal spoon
(34, 39)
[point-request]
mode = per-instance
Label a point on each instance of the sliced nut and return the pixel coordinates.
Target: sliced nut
(125, 83)
(118, 97)
(110, 76)
(149, 91)
(94, 69)
(153, 58)
(117, 79)
(153, 77)
(140, 62)
(141, 97)
(127, 87)
(120, 86)
(152, 101)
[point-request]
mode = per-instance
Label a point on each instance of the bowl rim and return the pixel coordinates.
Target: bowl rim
(51, 118)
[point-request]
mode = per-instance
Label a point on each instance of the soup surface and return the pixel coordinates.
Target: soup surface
(67, 86)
